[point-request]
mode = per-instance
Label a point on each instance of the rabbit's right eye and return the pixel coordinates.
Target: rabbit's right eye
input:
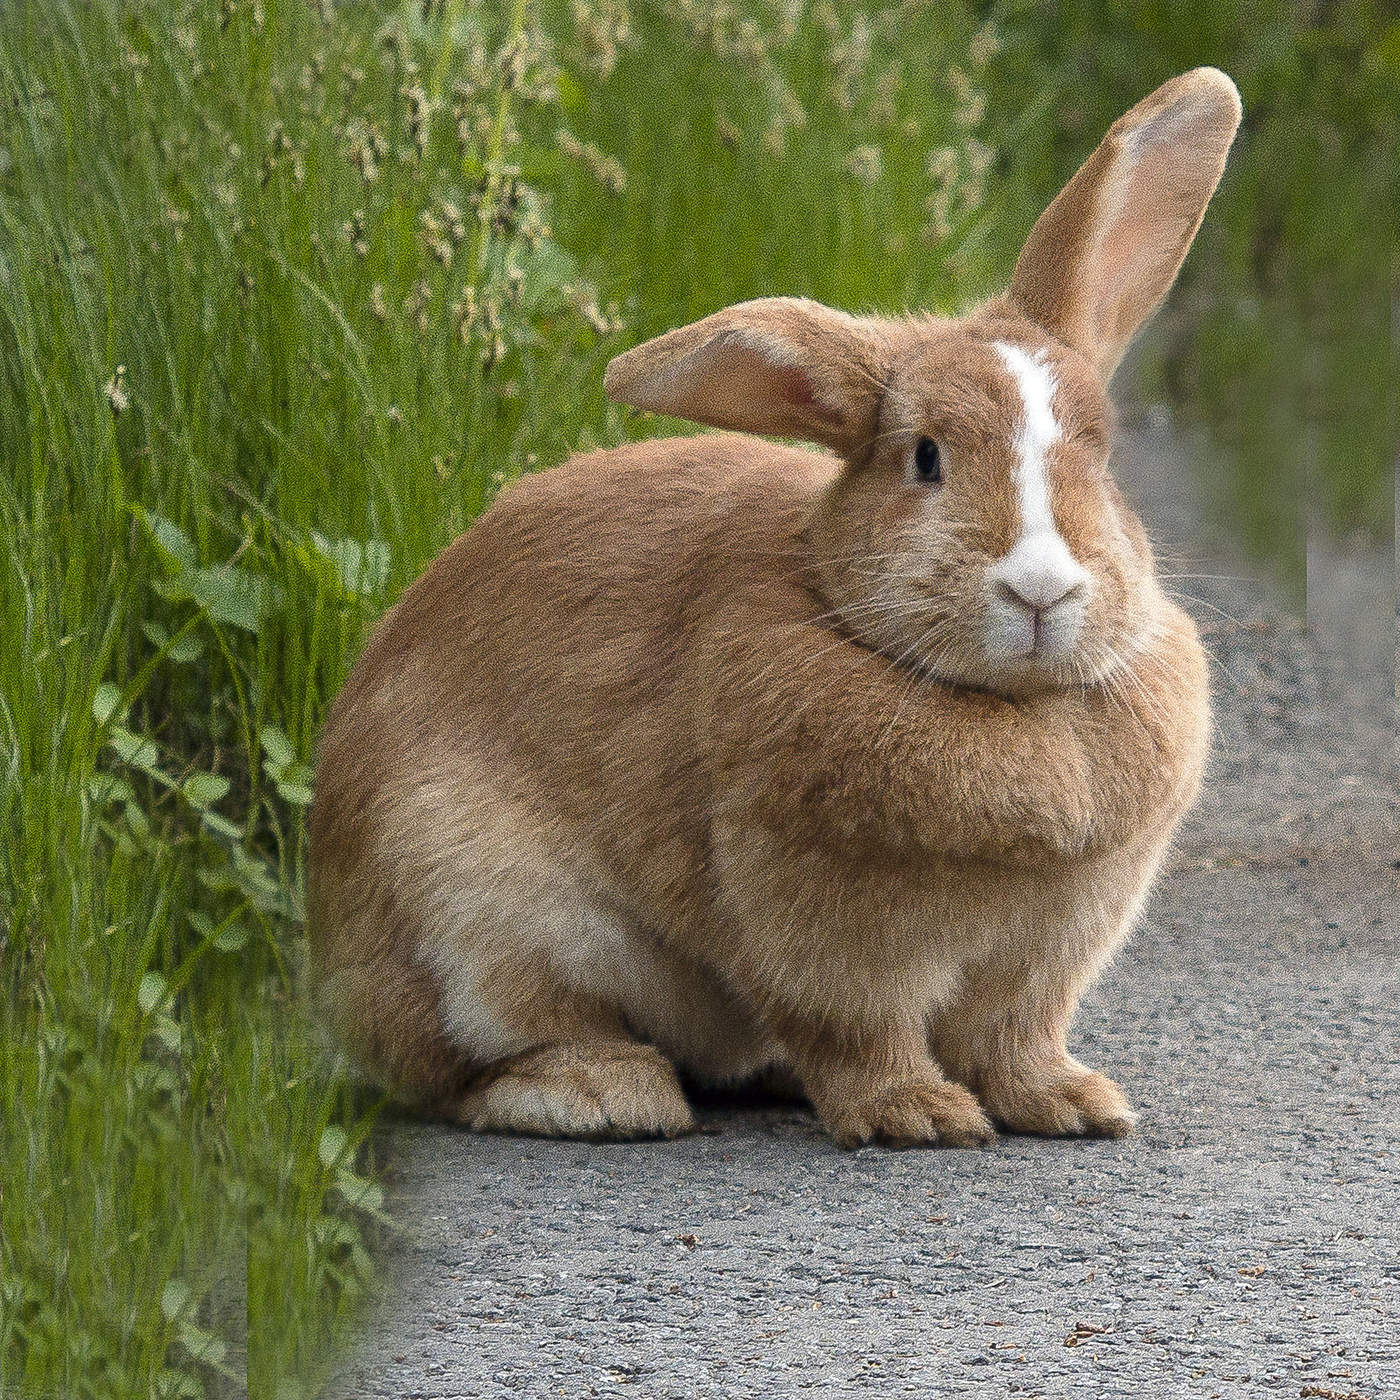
(928, 465)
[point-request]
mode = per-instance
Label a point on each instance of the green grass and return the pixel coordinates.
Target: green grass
(192, 546)
(268, 339)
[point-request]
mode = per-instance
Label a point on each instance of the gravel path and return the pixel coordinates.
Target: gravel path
(1246, 1241)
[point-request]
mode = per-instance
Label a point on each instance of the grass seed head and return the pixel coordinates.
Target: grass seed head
(439, 245)
(850, 57)
(419, 116)
(603, 29)
(604, 168)
(415, 306)
(356, 233)
(865, 164)
(136, 62)
(114, 390)
(985, 45)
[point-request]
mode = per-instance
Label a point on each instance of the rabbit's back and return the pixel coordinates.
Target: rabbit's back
(557, 632)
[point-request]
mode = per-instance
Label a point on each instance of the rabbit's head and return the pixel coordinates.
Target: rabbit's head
(974, 533)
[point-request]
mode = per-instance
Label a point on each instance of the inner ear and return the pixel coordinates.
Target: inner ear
(794, 387)
(735, 386)
(1105, 253)
(781, 366)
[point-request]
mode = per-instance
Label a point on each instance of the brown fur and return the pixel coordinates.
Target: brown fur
(693, 751)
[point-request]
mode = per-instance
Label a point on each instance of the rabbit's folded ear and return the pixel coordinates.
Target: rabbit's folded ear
(1104, 254)
(783, 366)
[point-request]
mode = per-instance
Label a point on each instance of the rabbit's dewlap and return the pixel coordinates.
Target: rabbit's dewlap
(847, 769)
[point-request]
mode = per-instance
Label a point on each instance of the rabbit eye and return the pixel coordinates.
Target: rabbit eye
(928, 465)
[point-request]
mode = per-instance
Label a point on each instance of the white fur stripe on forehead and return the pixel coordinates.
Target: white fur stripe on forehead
(1038, 434)
(1039, 567)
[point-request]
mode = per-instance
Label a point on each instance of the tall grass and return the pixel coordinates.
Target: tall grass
(289, 291)
(244, 400)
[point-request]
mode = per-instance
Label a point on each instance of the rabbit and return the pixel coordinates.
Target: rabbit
(850, 768)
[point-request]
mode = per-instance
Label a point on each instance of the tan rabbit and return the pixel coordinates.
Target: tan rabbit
(851, 768)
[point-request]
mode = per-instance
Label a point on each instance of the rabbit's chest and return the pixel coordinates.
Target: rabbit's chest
(913, 926)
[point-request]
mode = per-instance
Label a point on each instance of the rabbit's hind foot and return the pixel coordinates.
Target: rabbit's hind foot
(579, 1089)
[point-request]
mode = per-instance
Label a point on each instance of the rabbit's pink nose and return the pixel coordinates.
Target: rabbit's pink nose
(1039, 573)
(1041, 594)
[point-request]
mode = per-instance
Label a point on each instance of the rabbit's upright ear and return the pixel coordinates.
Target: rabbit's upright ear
(783, 366)
(1104, 254)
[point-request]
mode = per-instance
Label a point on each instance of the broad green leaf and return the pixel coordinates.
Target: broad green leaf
(151, 992)
(170, 539)
(298, 794)
(183, 650)
(107, 787)
(359, 1191)
(205, 789)
(232, 595)
(135, 749)
(186, 648)
(360, 567)
(277, 747)
(334, 1141)
(105, 701)
(332, 1232)
(204, 1346)
(220, 826)
(175, 1298)
(227, 937)
(252, 870)
(232, 937)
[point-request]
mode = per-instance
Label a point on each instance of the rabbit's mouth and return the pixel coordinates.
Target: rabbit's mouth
(978, 633)
(1020, 656)
(1037, 632)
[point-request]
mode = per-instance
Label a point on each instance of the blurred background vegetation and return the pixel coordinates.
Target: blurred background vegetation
(290, 289)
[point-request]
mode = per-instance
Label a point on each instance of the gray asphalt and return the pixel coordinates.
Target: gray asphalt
(1246, 1241)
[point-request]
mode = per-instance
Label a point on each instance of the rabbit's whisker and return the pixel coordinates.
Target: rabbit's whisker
(1205, 603)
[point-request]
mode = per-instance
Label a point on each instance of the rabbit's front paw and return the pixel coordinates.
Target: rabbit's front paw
(1071, 1103)
(913, 1113)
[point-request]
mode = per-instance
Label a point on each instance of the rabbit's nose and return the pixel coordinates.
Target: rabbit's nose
(1040, 573)
(1040, 596)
